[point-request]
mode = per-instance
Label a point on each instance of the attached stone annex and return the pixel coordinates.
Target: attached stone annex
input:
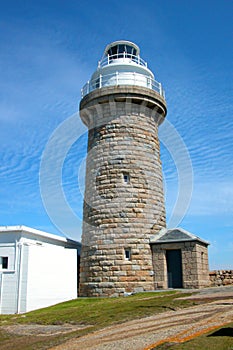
(180, 259)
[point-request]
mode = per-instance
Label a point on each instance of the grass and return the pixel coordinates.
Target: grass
(95, 312)
(219, 339)
(101, 311)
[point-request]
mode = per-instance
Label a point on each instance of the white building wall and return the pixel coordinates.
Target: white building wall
(8, 293)
(52, 275)
(8, 250)
(8, 279)
(22, 261)
(41, 270)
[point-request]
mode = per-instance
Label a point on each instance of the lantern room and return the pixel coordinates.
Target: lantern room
(121, 64)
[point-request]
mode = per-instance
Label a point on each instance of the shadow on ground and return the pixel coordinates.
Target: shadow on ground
(223, 332)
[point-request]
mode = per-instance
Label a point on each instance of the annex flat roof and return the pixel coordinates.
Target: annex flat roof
(38, 233)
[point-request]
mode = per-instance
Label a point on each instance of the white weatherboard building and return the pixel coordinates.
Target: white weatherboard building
(37, 269)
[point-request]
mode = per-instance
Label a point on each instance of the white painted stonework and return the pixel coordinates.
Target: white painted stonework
(37, 269)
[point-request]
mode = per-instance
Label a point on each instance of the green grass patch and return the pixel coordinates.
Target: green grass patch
(95, 313)
(102, 311)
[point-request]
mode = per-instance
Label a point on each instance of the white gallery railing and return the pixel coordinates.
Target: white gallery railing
(122, 78)
(123, 57)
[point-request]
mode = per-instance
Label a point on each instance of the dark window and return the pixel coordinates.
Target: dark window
(4, 262)
(127, 254)
(126, 177)
(202, 259)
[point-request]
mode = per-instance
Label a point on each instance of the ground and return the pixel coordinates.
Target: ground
(172, 326)
(213, 309)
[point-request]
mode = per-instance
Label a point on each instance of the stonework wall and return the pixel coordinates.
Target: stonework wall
(124, 201)
(159, 266)
(194, 264)
(221, 278)
(202, 262)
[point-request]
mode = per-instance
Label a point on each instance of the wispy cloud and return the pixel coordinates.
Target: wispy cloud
(40, 87)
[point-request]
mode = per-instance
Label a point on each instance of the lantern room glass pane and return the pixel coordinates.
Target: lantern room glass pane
(128, 49)
(121, 48)
(110, 52)
(114, 50)
(118, 51)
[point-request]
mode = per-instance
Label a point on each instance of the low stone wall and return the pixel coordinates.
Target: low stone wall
(221, 277)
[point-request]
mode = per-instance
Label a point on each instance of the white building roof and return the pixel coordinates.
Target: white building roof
(38, 233)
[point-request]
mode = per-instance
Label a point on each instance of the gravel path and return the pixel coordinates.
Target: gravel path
(41, 330)
(146, 333)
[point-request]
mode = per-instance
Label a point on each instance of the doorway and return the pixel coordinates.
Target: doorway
(174, 268)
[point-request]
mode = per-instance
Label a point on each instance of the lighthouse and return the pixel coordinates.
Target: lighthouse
(122, 106)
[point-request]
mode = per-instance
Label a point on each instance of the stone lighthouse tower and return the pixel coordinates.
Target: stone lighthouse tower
(122, 106)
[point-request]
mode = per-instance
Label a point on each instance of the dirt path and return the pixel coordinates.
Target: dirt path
(145, 333)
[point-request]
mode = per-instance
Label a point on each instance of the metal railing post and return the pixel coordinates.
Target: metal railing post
(150, 83)
(100, 80)
(160, 89)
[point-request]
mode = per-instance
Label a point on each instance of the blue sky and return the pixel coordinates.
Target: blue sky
(49, 49)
